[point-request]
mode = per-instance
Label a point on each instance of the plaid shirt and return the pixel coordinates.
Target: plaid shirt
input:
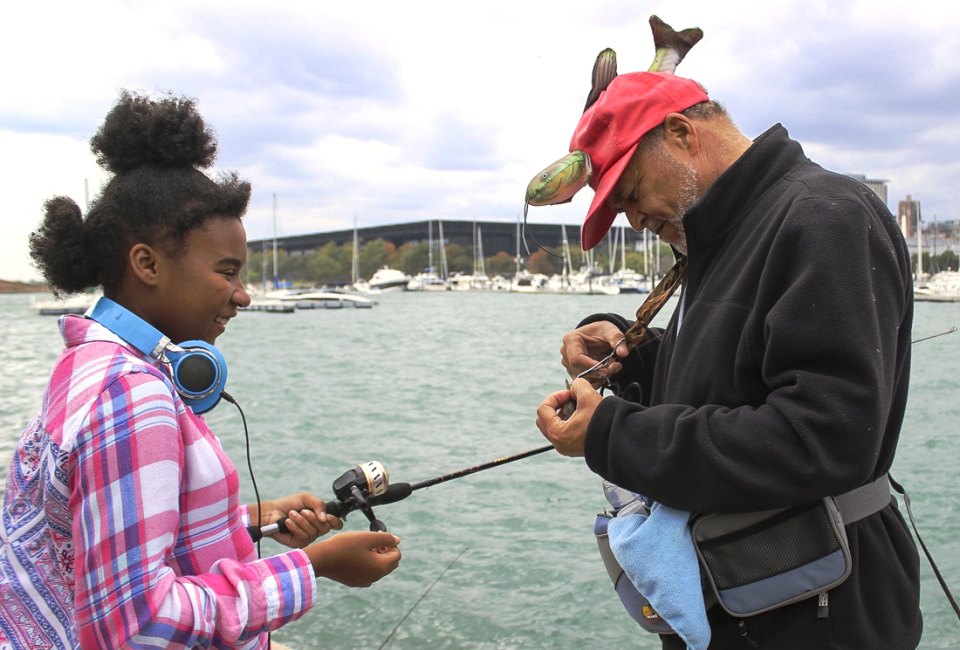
(121, 521)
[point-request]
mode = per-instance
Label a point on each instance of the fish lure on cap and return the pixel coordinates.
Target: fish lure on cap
(562, 179)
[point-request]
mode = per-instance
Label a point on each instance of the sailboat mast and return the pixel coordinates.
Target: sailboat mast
(623, 248)
(429, 246)
(276, 277)
(919, 243)
(443, 252)
(518, 245)
(355, 266)
(612, 241)
(483, 264)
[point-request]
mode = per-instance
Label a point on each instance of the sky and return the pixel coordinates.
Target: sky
(379, 112)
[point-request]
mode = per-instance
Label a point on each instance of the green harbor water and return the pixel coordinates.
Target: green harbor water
(429, 383)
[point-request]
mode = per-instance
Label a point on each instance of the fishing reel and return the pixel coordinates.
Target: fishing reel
(357, 489)
(360, 488)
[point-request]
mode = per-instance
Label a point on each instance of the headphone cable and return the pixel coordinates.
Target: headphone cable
(246, 438)
(253, 479)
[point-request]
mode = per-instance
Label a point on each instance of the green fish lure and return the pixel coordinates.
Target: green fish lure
(560, 180)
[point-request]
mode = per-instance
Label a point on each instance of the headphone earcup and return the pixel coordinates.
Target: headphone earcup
(199, 374)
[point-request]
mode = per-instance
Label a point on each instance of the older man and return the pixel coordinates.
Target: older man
(782, 375)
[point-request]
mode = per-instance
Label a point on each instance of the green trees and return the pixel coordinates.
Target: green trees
(332, 264)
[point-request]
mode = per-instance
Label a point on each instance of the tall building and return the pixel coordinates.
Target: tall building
(908, 214)
(879, 186)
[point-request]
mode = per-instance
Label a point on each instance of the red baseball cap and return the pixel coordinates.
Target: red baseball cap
(610, 131)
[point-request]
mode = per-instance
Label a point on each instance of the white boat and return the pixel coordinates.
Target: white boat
(584, 282)
(628, 281)
(428, 280)
(328, 300)
(478, 280)
(939, 287)
(527, 282)
(77, 304)
(387, 279)
(464, 282)
(271, 305)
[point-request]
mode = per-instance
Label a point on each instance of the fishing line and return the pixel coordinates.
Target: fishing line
(422, 596)
(933, 336)
(526, 229)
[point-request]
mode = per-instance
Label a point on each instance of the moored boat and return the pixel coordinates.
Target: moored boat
(387, 279)
(77, 304)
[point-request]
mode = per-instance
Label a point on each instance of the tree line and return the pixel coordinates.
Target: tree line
(332, 264)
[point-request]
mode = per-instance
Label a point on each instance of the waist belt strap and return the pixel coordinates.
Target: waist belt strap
(865, 500)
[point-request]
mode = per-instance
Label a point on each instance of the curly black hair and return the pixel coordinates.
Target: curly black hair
(156, 149)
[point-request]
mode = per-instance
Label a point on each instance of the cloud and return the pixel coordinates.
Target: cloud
(390, 112)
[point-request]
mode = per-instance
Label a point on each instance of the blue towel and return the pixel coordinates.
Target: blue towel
(656, 552)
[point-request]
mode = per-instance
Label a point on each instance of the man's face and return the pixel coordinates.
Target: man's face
(656, 190)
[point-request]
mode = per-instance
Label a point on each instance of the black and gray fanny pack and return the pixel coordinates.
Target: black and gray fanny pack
(754, 562)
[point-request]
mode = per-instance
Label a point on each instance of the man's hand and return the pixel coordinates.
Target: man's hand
(567, 436)
(585, 346)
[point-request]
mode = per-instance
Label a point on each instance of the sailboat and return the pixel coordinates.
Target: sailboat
(939, 287)
(429, 279)
(627, 280)
(478, 280)
(269, 299)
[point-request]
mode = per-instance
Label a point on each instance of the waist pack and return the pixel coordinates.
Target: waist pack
(757, 561)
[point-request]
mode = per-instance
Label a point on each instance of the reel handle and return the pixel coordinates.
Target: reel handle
(340, 509)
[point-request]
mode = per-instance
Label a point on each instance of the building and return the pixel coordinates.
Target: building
(908, 217)
(496, 236)
(879, 186)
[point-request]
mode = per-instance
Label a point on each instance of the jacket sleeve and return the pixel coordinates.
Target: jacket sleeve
(129, 529)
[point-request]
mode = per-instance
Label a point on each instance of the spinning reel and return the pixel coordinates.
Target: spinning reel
(360, 488)
(356, 488)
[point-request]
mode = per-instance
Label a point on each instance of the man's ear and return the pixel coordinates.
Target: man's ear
(144, 263)
(680, 132)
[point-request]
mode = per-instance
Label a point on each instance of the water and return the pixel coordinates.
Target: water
(430, 383)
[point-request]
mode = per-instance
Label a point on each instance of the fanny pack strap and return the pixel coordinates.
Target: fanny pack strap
(936, 569)
(865, 500)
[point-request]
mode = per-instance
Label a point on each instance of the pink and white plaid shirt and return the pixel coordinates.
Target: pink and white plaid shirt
(122, 525)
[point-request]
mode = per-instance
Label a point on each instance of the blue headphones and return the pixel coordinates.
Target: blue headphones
(199, 370)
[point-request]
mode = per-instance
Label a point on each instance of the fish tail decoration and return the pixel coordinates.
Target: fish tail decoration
(560, 180)
(604, 71)
(670, 45)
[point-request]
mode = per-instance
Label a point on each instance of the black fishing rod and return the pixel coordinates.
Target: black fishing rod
(933, 336)
(479, 468)
(368, 485)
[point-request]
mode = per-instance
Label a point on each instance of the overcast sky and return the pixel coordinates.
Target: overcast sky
(385, 112)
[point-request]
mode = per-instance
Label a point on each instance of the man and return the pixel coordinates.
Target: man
(782, 376)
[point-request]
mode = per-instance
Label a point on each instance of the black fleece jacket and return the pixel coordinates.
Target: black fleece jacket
(781, 378)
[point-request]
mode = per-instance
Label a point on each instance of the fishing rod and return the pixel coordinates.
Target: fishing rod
(933, 336)
(368, 485)
(479, 468)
